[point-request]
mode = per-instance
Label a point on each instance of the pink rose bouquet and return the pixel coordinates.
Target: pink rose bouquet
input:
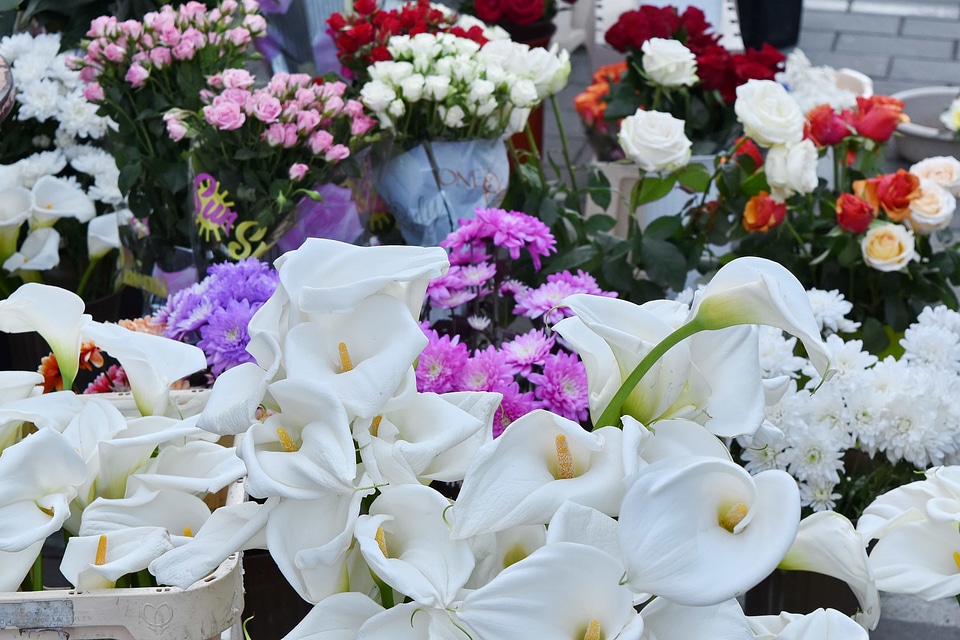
(256, 152)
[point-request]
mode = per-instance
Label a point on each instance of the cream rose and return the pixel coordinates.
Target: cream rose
(944, 170)
(768, 113)
(888, 247)
(655, 141)
(933, 210)
(669, 63)
(791, 168)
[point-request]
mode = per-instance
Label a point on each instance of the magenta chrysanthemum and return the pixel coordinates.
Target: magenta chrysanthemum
(527, 350)
(562, 387)
(440, 363)
(546, 300)
(487, 370)
(515, 404)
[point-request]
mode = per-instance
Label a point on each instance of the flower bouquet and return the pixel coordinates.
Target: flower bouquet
(255, 152)
(136, 71)
(529, 21)
(60, 194)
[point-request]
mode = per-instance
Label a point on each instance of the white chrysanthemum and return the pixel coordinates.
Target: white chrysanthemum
(69, 78)
(39, 100)
(933, 346)
(45, 163)
(814, 452)
(777, 353)
(830, 309)
(892, 376)
(812, 86)
(757, 457)
(912, 431)
(846, 357)
(788, 410)
(940, 316)
(12, 47)
(819, 496)
(867, 413)
(78, 117)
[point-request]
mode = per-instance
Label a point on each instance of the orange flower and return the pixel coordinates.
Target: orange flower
(763, 213)
(854, 214)
(146, 324)
(892, 192)
(877, 117)
(50, 370)
(90, 356)
(591, 104)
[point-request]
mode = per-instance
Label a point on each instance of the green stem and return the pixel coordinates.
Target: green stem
(535, 152)
(386, 591)
(800, 244)
(566, 149)
(86, 275)
(610, 415)
(36, 574)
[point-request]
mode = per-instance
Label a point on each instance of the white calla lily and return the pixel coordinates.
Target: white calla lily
(55, 198)
(338, 617)
(99, 561)
(40, 251)
(822, 624)
(233, 401)
(413, 621)
(197, 467)
(407, 544)
(664, 619)
(14, 566)
(103, 235)
(538, 463)
(702, 530)
(14, 386)
(666, 439)
(827, 543)
(562, 590)
(178, 512)
(152, 363)
(911, 502)
(495, 552)
(15, 206)
(920, 558)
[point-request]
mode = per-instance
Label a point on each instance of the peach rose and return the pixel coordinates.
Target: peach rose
(944, 170)
(888, 247)
(933, 210)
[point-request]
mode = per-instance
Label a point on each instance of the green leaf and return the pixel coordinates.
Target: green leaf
(548, 212)
(650, 189)
(599, 223)
(572, 259)
(598, 187)
(245, 154)
(694, 177)
(664, 263)
(664, 227)
(129, 176)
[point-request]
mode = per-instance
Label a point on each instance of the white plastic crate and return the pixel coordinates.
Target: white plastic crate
(203, 611)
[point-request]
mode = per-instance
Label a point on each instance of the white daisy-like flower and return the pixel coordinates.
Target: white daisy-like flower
(478, 323)
(892, 376)
(12, 47)
(819, 496)
(45, 163)
(867, 414)
(846, 357)
(940, 316)
(932, 345)
(777, 354)
(39, 100)
(912, 432)
(78, 117)
(830, 309)
(814, 452)
(757, 457)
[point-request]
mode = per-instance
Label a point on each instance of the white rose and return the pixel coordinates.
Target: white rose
(933, 210)
(655, 141)
(377, 96)
(791, 168)
(425, 45)
(524, 94)
(669, 63)
(452, 117)
(517, 121)
(486, 107)
(768, 113)
(888, 247)
(399, 46)
(396, 108)
(412, 87)
(552, 69)
(480, 90)
(436, 87)
(944, 170)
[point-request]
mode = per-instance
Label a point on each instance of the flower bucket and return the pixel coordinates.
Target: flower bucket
(155, 267)
(924, 136)
(432, 186)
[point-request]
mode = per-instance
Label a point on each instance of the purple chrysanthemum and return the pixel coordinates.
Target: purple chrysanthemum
(545, 301)
(528, 349)
(486, 371)
(440, 363)
(248, 279)
(224, 338)
(515, 404)
(185, 312)
(563, 386)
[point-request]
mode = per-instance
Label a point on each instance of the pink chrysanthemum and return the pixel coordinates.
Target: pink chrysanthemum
(527, 350)
(441, 363)
(562, 387)
(487, 370)
(515, 404)
(546, 300)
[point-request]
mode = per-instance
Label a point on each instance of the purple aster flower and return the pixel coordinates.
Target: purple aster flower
(186, 311)
(440, 363)
(563, 386)
(224, 338)
(515, 404)
(583, 282)
(449, 290)
(527, 350)
(487, 370)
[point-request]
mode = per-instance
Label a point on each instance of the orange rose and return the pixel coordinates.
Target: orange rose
(892, 192)
(877, 117)
(854, 214)
(763, 213)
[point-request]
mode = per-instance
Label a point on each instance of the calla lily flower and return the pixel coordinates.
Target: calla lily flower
(97, 562)
(152, 363)
(495, 552)
(56, 314)
(310, 541)
(666, 439)
(14, 386)
(538, 463)
(196, 467)
(413, 621)
(40, 252)
(338, 617)
(103, 235)
(233, 401)
(305, 450)
(229, 529)
(753, 290)
(15, 205)
(827, 543)
(178, 512)
(584, 525)
(822, 624)
(702, 530)
(406, 543)
(364, 355)
(14, 566)
(426, 437)
(912, 502)
(562, 590)
(664, 619)
(918, 558)
(38, 479)
(55, 198)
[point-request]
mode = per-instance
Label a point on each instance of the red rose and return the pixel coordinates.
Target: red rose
(699, 37)
(633, 28)
(523, 12)
(365, 7)
(379, 54)
(892, 192)
(763, 213)
(489, 10)
(876, 117)
(713, 69)
(336, 22)
(747, 147)
(825, 127)
(854, 214)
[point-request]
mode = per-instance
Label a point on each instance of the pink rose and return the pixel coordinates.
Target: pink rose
(320, 141)
(183, 50)
(175, 127)
(290, 110)
(88, 74)
(94, 50)
(238, 37)
(102, 26)
(216, 81)
(307, 120)
(237, 79)
(256, 24)
(333, 106)
(146, 40)
(239, 96)
(93, 91)
(267, 108)
(336, 152)
(228, 6)
(361, 124)
(132, 29)
(353, 108)
(114, 53)
(274, 135)
(160, 57)
(136, 75)
(194, 37)
(290, 136)
(278, 83)
(297, 171)
(328, 89)
(170, 36)
(224, 115)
